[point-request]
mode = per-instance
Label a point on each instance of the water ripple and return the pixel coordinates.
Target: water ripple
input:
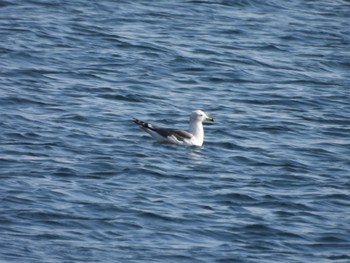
(85, 184)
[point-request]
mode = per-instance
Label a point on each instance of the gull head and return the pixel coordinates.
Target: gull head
(200, 116)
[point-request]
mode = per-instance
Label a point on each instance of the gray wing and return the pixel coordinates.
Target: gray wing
(179, 134)
(164, 132)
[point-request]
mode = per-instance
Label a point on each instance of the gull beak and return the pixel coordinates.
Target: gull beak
(209, 119)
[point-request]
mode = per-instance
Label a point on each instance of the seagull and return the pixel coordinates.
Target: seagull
(193, 137)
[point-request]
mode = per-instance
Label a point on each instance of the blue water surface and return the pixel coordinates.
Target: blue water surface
(81, 183)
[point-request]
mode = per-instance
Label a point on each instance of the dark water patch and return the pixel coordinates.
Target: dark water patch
(127, 98)
(339, 257)
(157, 216)
(65, 171)
(24, 101)
(74, 118)
(233, 198)
(228, 146)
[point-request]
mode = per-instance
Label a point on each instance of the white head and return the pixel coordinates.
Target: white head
(200, 116)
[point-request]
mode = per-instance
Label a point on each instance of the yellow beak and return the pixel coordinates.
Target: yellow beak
(209, 119)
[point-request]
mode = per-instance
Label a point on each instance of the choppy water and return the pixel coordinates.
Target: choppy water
(81, 183)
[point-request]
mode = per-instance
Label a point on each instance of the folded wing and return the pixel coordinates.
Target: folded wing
(164, 134)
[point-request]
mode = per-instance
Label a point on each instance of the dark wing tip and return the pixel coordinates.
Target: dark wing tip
(138, 122)
(142, 124)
